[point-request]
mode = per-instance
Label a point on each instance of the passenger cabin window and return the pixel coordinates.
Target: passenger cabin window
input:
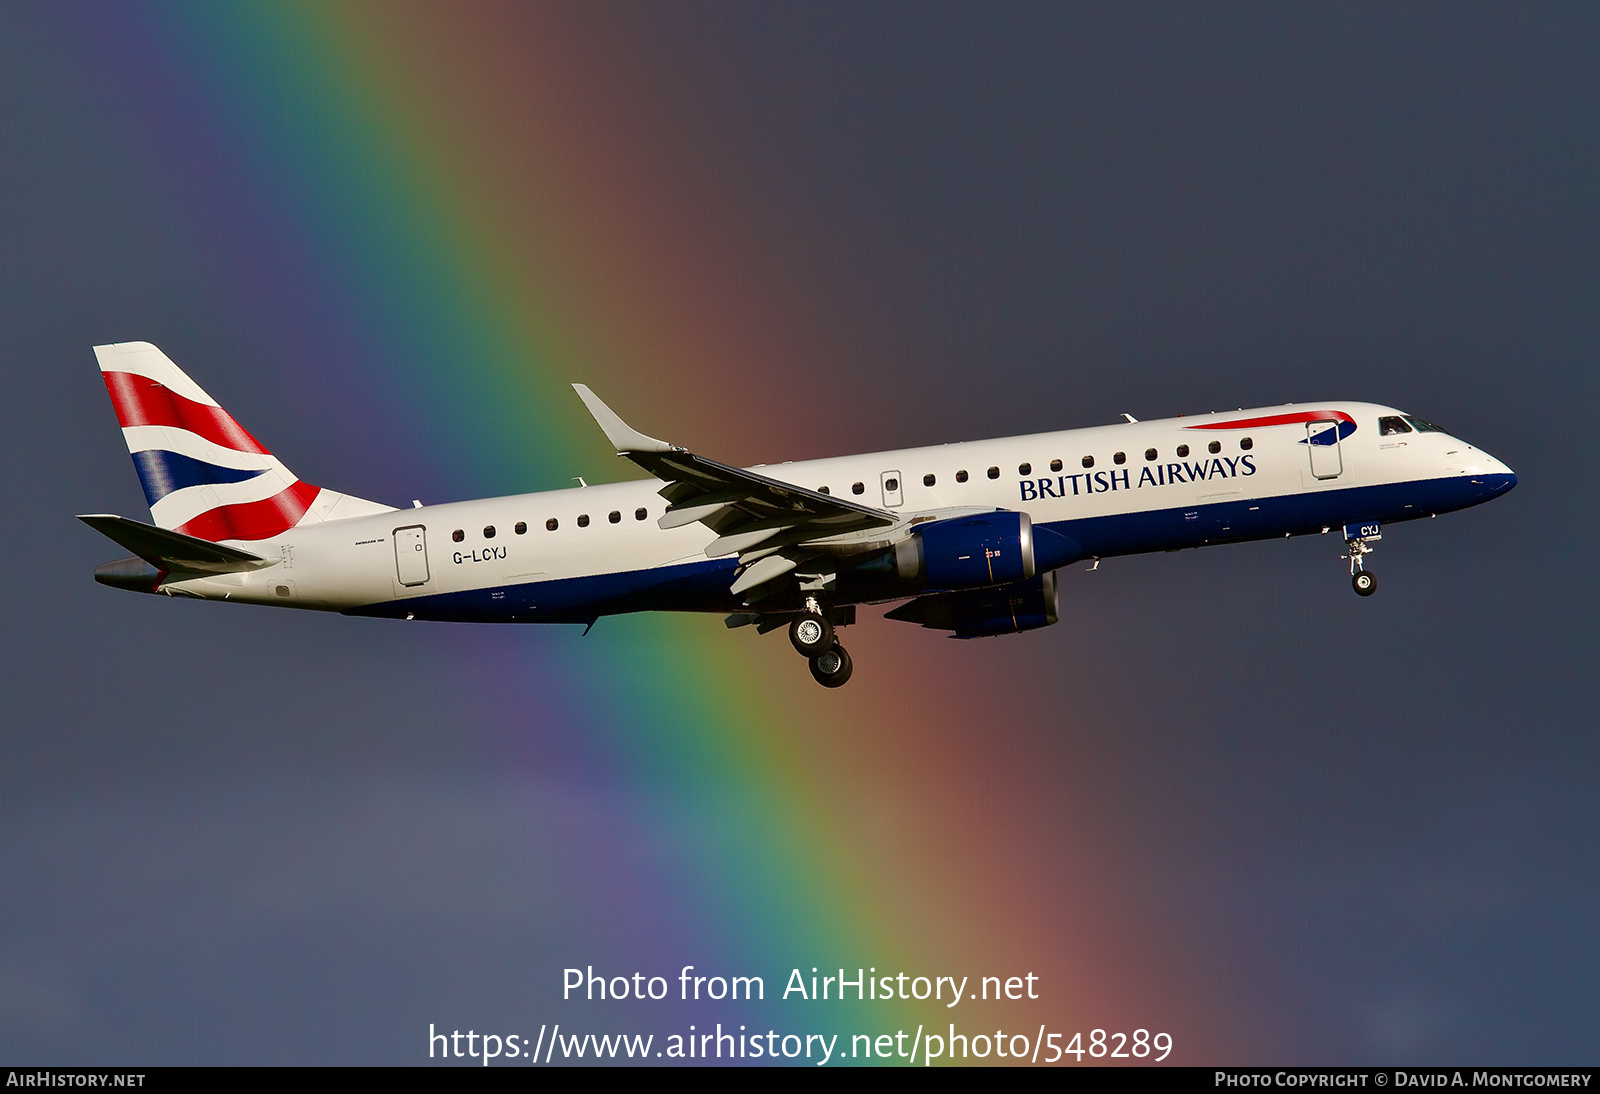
(488, 531)
(961, 476)
(994, 472)
(552, 524)
(1421, 426)
(1388, 427)
(858, 488)
(1055, 465)
(458, 535)
(928, 480)
(1119, 457)
(1183, 450)
(1088, 461)
(1149, 453)
(1214, 447)
(583, 520)
(522, 528)
(640, 513)
(1024, 468)
(615, 516)
(823, 490)
(891, 485)
(1246, 444)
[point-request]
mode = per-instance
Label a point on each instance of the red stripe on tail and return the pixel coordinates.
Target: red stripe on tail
(141, 401)
(253, 519)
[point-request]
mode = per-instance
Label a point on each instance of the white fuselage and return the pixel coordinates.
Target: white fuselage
(526, 541)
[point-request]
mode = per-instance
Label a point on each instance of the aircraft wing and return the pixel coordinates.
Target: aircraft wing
(772, 526)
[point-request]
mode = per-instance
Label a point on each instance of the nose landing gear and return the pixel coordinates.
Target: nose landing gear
(1358, 541)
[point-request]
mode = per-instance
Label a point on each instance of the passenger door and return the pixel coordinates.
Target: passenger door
(411, 555)
(1322, 442)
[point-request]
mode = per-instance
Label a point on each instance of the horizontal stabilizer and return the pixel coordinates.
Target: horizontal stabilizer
(174, 551)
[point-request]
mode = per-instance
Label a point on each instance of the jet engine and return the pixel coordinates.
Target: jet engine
(968, 552)
(981, 613)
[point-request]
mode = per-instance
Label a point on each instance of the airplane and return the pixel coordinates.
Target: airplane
(968, 535)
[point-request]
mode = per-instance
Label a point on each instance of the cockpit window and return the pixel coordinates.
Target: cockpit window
(1388, 427)
(1422, 426)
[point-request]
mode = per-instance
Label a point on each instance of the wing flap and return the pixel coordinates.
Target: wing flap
(757, 573)
(676, 517)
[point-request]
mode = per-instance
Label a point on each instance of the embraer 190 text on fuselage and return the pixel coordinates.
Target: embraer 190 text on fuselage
(969, 535)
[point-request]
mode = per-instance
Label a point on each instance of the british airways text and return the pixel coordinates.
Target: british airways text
(1103, 482)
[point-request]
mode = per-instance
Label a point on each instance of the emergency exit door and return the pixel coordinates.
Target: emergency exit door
(1322, 442)
(893, 492)
(411, 555)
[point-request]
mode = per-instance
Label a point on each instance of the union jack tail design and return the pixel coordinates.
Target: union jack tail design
(203, 474)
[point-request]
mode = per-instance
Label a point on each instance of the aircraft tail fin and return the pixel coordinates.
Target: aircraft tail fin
(203, 474)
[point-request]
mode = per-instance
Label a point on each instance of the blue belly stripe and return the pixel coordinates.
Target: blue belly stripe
(703, 586)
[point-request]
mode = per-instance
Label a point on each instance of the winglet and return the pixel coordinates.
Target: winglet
(621, 435)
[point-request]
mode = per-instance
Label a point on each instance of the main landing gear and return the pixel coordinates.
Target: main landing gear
(1359, 546)
(832, 667)
(811, 633)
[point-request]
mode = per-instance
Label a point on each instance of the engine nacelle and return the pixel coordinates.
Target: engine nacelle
(981, 613)
(968, 552)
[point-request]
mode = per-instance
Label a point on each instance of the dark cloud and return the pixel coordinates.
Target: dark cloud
(231, 833)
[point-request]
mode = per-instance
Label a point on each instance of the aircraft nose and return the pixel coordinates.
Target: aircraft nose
(1501, 478)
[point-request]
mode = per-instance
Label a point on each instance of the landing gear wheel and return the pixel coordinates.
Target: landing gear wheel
(1358, 548)
(811, 634)
(832, 667)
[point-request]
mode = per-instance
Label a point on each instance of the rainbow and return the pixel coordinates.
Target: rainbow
(443, 215)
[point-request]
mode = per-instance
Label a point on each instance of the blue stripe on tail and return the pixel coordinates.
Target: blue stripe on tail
(163, 472)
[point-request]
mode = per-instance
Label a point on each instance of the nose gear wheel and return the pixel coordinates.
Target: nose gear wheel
(1361, 580)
